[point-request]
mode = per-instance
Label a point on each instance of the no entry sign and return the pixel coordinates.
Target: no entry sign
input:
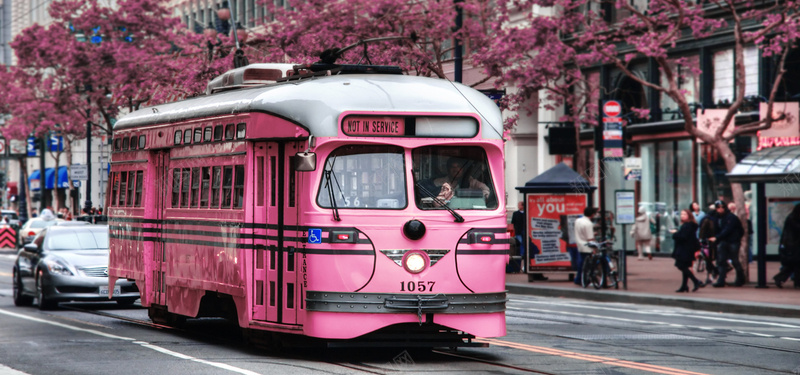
(612, 108)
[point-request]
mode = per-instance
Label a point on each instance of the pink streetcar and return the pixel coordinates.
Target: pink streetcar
(348, 203)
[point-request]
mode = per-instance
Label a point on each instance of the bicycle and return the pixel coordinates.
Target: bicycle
(599, 268)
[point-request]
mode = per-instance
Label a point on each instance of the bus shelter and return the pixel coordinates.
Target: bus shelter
(553, 201)
(776, 175)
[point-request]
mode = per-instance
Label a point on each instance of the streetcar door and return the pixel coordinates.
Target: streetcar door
(157, 258)
(276, 295)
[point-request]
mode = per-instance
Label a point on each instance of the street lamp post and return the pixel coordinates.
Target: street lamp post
(88, 204)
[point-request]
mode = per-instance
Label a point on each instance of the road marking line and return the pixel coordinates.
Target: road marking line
(707, 317)
(134, 341)
(591, 358)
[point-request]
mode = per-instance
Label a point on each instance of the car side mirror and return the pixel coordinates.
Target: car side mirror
(31, 248)
(304, 161)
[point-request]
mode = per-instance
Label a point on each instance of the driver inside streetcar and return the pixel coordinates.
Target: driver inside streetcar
(459, 182)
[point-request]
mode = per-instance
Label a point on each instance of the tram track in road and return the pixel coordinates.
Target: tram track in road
(489, 362)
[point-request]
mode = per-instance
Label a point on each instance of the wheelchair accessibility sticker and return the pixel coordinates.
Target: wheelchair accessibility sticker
(314, 235)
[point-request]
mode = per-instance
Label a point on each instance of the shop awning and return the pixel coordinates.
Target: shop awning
(49, 178)
(776, 164)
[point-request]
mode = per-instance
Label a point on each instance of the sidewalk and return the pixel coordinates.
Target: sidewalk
(654, 282)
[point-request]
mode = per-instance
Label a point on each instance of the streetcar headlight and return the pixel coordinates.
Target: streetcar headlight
(415, 262)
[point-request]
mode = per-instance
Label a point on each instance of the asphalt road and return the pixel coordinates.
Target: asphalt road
(545, 335)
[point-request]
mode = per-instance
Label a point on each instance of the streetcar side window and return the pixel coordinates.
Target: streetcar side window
(454, 177)
(195, 187)
(177, 139)
(185, 188)
(131, 177)
(176, 186)
(364, 177)
(229, 132)
(238, 190)
(117, 144)
(139, 184)
(227, 184)
(207, 134)
(215, 183)
(187, 136)
(142, 141)
(205, 186)
(114, 188)
(123, 187)
(125, 144)
(198, 135)
(134, 142)
(240, 130)
(218, 133)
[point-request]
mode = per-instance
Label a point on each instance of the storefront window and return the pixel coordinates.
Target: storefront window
(666, 187)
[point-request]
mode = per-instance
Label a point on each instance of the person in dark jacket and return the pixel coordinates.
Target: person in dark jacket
(685, 245)
(705, 232)
(789, 250)
(728, 238)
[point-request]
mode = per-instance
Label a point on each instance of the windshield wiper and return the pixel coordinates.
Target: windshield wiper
(459, 218)
(331, 195)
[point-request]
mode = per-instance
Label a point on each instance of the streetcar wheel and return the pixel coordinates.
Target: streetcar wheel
(45, 303)
(160, 315)
(19, 298)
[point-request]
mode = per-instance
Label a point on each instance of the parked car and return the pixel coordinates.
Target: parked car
(33, 226)
(67, 263)
(11, 216)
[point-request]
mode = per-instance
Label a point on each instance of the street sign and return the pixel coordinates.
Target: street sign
(625, 207)
(78, 172)
(17, 147)
(56, 143)
(633, 169)
(32, 147)
(612, 108)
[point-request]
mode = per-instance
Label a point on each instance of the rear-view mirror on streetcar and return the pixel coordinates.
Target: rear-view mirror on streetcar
(304, 161)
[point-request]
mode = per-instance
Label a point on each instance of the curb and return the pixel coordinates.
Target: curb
(705, 304)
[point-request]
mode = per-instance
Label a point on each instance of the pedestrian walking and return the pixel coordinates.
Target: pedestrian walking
(789, 250)
(584, 232)
(729, 232)
(641, 234)
(518, 221)
(686, 244)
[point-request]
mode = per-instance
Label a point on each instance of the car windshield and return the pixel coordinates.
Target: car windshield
(454, 177)
(11, 215)
(78, 240)
(39, 224)
(364, 177)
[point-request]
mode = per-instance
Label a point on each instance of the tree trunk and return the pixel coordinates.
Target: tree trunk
(738, 197)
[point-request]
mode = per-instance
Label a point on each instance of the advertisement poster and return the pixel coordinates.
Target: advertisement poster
(551, 218)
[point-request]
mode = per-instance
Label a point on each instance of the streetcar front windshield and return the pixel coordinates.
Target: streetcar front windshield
(364, 177)
(454, 177)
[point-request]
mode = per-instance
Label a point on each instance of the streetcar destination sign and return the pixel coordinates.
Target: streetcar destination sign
(374, 126)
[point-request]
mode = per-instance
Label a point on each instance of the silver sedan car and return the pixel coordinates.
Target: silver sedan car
(67, 263)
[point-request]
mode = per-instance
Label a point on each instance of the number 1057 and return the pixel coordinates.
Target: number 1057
(417, 286)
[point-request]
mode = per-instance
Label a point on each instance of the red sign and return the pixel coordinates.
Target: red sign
(551, 218)
(612, 108)
(374, 126)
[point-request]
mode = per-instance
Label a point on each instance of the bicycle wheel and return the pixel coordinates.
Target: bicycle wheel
(612, 278)
(586, 271)
(593, 272)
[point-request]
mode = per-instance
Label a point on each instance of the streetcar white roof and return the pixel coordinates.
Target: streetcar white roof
(316, 103)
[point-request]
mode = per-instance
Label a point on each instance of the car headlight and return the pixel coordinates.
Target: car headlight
(58, 268)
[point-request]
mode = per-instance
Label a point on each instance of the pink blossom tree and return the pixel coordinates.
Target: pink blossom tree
(415, 35)
(550, 53)
(90, 63)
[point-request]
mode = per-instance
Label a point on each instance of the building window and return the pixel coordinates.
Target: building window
(722, 93)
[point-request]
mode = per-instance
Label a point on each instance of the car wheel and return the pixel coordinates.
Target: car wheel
(19, 298)
(44, 302)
